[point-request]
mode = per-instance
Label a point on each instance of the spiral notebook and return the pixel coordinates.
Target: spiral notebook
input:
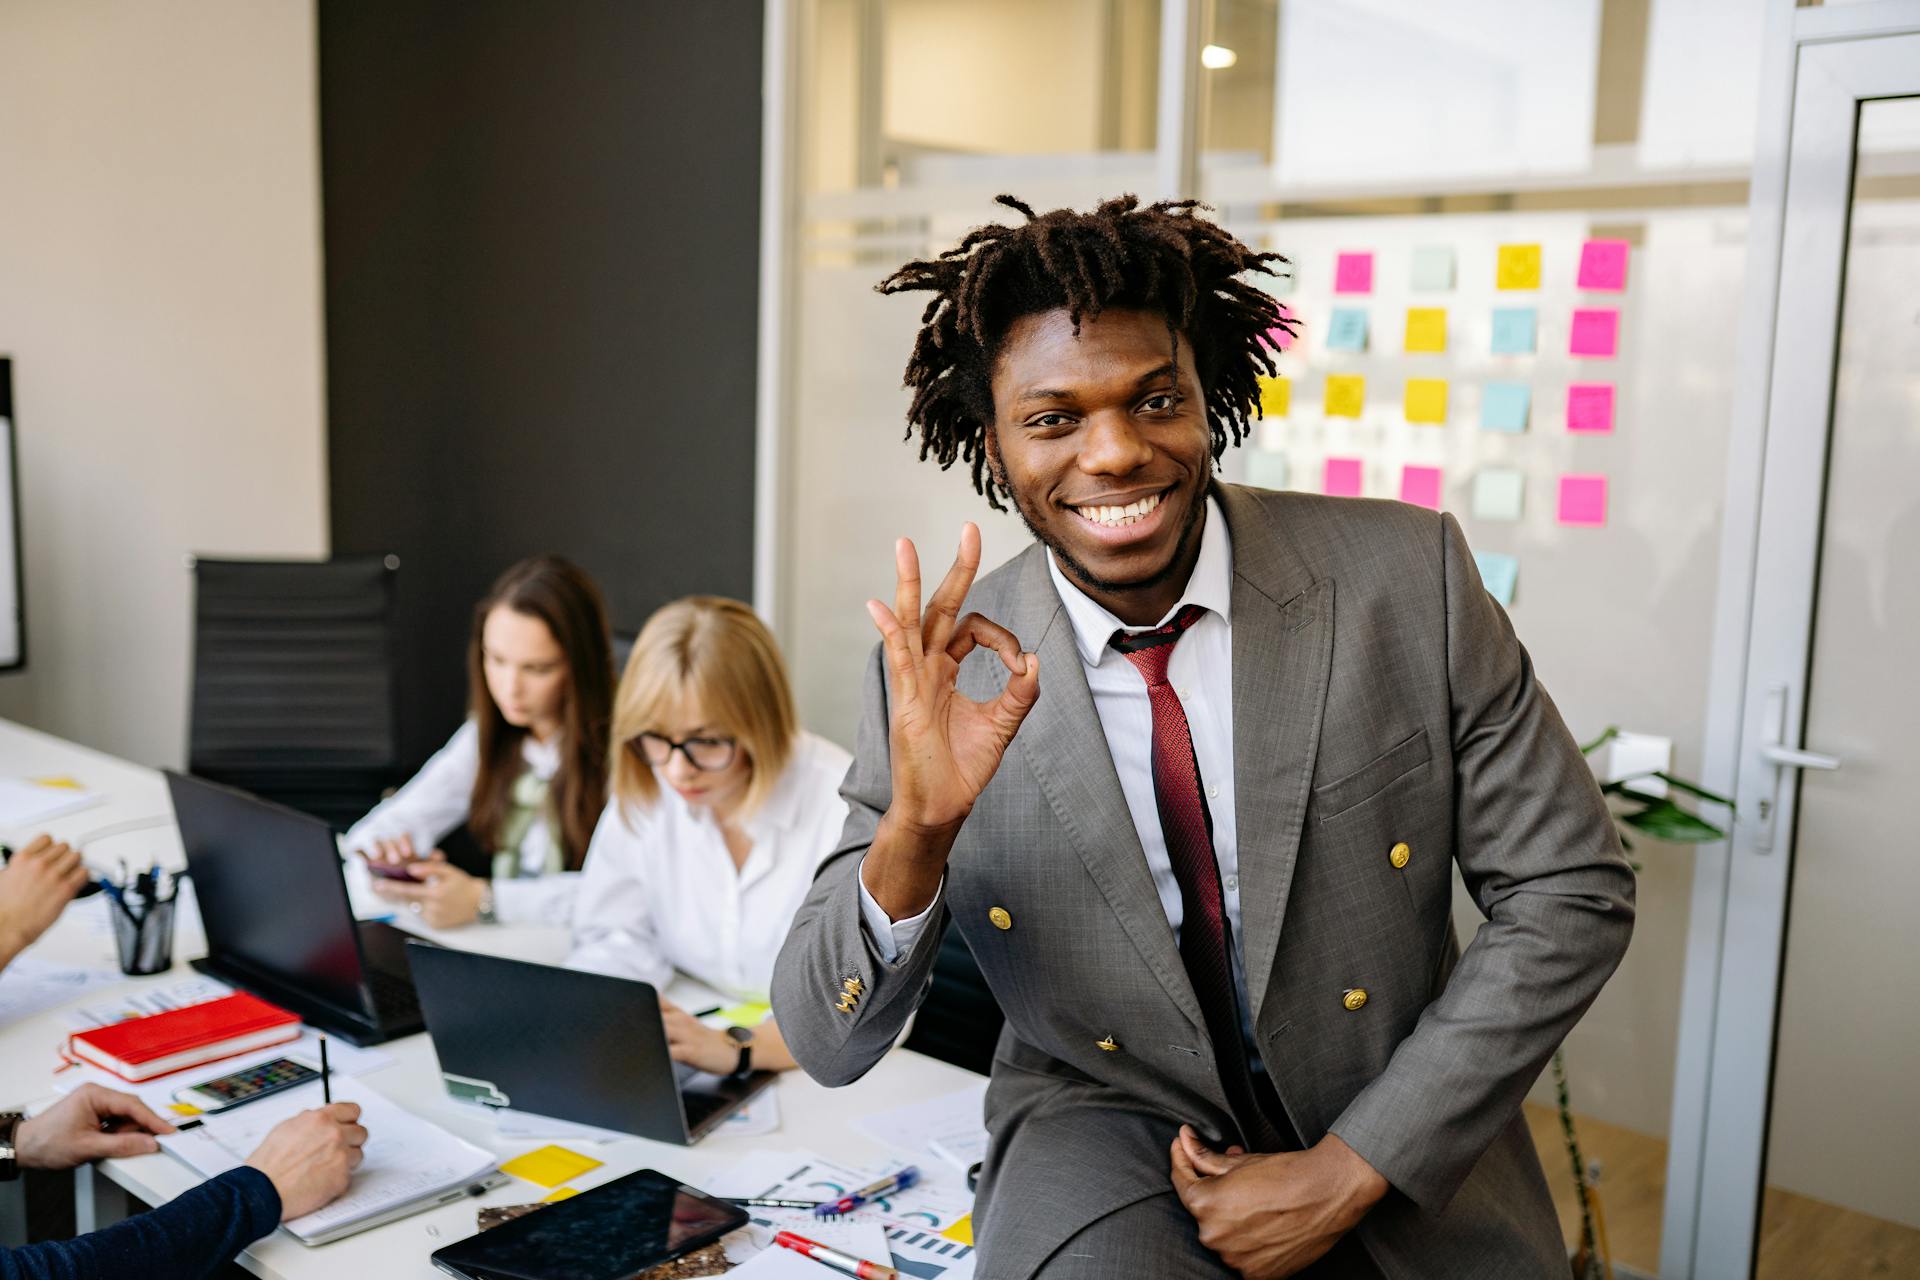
(410, 1165)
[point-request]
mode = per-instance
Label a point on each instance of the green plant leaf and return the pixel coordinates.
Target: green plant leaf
(1693, 788)
(1665, 820)
(1607, 735)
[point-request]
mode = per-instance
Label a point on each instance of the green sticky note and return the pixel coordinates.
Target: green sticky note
(1498, 572)
(1266, 469)
(1503, 406)
(1432, 269)
(1497, 493)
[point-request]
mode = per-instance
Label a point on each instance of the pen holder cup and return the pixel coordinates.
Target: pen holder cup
(143, 938)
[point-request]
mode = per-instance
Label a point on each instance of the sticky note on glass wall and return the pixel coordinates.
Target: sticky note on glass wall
(1353, 273)
(1497, 493)
(1498, 573)
(1583, 500)
(1279, 338)
(1518, 267)
(1346, 395)
(1603, 266)
(1432, 269)
(1503, 406)
(1427, 400)
(1426, 329)
(1341, 477)
(1266, 469)
(1347, 329)
(1595, 332)
(1590, 408)
(1420, 486)
(1513, 331)
(1276, 397)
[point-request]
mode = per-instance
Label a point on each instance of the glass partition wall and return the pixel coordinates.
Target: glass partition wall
(1518, 235)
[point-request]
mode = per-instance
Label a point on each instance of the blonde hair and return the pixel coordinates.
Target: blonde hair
(718, 652)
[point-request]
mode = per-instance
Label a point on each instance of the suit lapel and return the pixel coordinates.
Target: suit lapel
(1066, 750)
(1282, 654)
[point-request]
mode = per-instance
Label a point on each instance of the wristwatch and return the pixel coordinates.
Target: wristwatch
(9, 1153)
(484, 912)
(742, 1036)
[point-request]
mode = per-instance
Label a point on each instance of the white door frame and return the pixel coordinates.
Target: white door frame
(1820, 63)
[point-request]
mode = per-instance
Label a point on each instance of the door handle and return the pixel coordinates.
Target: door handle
(1776, 753)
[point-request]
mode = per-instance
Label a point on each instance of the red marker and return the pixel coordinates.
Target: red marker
(839, 1261)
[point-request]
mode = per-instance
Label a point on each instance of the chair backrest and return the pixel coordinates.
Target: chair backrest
(293, 680)
(959, 1021)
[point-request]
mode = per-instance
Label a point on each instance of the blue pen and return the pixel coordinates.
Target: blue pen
(893, 1182)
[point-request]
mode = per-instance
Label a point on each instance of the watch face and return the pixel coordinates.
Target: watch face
(741, 1035)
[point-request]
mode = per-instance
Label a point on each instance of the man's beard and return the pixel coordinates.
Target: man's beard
(1087, 578)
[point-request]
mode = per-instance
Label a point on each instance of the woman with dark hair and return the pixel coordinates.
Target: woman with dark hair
(526, 773)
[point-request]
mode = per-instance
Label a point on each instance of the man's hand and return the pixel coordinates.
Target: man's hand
(310, 1157)
(35, 885)
(441, 894)
(944, 748)
(1270, 1215)
(91, 1123)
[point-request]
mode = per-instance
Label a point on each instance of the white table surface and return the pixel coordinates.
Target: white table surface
(812, 1118)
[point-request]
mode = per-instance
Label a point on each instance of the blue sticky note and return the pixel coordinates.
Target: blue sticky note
(1503, 406)
(1498, 572)
(1513, 331)
(1347, 330)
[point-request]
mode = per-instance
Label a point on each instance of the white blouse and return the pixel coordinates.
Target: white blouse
(659, 890)
(436, 801)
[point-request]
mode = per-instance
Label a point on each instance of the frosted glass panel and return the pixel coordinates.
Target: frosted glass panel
(1702, 83)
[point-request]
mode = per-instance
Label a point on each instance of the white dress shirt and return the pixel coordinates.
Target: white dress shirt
(436, 801)
(659, 890)
(1201, 673)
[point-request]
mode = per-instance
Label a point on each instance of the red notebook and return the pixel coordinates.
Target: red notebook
(142, 1048)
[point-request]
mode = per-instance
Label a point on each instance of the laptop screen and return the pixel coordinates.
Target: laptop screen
(269, 887)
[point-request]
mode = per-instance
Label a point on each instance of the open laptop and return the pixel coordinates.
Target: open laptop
(278, 923)
(558, 1042)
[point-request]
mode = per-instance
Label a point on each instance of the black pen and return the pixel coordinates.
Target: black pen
(326, 1084)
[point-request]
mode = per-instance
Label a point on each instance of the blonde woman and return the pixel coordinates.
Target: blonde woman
(722, 808)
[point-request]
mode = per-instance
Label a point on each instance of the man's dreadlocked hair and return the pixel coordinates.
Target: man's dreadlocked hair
(1161, 258)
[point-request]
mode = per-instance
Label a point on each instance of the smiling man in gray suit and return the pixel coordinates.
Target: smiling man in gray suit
(1190, 775)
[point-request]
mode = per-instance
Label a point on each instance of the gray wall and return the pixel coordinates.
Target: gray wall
(541, 279)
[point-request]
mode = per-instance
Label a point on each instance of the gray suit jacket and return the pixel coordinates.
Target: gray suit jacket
(1380, 698)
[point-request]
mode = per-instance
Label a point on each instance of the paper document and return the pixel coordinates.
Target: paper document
(407, 1159)
(949, 1127)
(30, 985)
(25, 802)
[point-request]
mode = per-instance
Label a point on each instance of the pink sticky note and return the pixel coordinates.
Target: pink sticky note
(1583, 500)
(1353, 273)
(1596, 331)
(1420, 486)
(1590, 407)
(1603, 265)
(1278, 338)
(1342, 478)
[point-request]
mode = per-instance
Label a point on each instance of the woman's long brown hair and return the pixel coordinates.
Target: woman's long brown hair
(560, 594)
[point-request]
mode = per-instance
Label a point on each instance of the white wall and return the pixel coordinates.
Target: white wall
(160, 295)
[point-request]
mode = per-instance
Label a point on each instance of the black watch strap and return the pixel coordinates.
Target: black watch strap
(9, 1151)
(744, 1066)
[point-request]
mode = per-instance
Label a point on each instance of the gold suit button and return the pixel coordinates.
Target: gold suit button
(1107, 1044)
(845, 1005)
(1400, 854)
(1354, 999)
(852, 986)
(1000, 918)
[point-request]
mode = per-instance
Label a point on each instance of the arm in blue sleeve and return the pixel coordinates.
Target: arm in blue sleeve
(189, 1236)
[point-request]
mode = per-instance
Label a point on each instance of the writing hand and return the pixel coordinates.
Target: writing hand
(944, 748)
(1269, 1216)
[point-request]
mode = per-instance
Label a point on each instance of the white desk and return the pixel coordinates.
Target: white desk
(811, 1117)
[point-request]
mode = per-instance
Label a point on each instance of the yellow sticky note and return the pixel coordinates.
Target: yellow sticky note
(1427, 400)
(1426, 328)
(61, 783)
(183, 1108)
(747, 1014)
(1519, 267)
(549, 1166)
(558, 1194)
(961, 1230)
(1346, 395)
(1276, 397)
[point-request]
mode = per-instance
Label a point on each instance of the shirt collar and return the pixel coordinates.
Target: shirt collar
(542, 758)
(1210, 586)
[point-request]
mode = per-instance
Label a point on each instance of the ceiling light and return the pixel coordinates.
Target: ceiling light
(1216, 57)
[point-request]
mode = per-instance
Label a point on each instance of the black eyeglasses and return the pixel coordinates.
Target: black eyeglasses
(709, 755)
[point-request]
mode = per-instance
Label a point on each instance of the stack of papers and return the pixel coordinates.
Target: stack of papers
(410, 1164)
(30, 985)
(28, 802)
(949, 1128)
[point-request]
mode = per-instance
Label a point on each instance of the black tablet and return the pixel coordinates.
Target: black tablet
(612, 1232)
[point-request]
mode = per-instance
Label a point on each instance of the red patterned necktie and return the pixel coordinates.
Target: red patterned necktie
(1187, 826)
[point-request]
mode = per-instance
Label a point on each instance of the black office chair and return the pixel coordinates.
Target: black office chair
(959, 1022)
(293, 681)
